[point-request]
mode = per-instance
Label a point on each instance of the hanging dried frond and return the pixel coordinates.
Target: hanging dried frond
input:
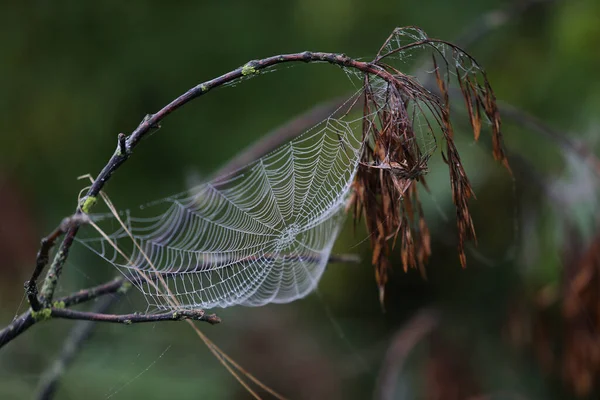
(402, 117)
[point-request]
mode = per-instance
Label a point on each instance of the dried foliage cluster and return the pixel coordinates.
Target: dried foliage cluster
(400, 116)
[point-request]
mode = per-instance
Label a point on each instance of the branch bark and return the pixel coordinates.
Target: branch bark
(128, 319)
(42, 258)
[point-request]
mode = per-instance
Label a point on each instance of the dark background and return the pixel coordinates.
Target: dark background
(74, 75)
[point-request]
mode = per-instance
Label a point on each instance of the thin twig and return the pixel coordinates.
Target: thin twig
(29, 318)
(24, 321)
(128, 319)
(43, 256)
(116, 285)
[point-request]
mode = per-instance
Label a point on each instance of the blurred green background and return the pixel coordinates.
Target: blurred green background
(73, 75)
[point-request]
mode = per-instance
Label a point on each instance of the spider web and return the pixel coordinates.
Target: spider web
(262, 234)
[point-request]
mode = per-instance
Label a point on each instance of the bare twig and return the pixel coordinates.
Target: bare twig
(128, 319)
(117, 285)
(23, 322)
(31, 317)
(43, 256)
